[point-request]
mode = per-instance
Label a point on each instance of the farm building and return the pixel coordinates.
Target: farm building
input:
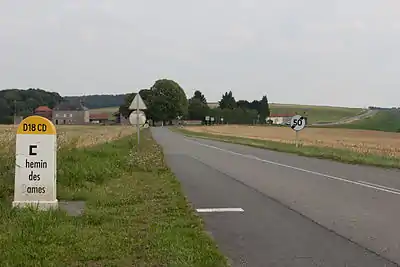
(44, 111)
(100, 118)
(70, 113)
(280, 118)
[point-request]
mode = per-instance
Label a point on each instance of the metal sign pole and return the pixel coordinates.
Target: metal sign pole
(297, 139)
(137, 122)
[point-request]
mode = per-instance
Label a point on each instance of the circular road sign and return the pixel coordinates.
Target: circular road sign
(133, 118)
(298, 123)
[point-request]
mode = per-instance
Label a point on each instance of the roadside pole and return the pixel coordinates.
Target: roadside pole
(137, 104)
(297, 123)
(137, 122)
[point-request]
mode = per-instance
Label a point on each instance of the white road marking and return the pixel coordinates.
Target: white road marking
(220, 210)
(380, 186)
(364, 184)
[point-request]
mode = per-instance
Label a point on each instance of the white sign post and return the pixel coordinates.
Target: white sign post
(207, 119)
(297, 123)
(137, 104)
(35, 164)
(212, 120)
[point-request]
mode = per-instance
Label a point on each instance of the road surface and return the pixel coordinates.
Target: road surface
(296, 211)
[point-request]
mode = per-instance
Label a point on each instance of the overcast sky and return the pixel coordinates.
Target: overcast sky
(332, 52)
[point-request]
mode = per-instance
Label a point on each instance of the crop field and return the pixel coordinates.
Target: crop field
(361, 141)
(320, 114)
(71, 135)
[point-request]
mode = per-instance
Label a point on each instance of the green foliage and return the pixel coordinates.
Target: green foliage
(316, 113)
(227, 101)
(384, 120)
(99, 101)
(235, 116)
(24, 102)
(165, 101)
(146, 95)
(264, 111)
(198, 107)
(199, 95)
(172, 99)
(135, 214)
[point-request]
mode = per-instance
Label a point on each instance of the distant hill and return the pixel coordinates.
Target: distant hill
(99, 101)
(387, 120)
(316, 114)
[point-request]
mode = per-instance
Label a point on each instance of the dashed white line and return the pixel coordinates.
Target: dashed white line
(220, 210)
(360, 183)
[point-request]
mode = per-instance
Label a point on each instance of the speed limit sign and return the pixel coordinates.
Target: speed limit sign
(297, 123)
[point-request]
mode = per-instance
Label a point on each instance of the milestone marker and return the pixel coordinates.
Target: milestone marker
(35, 164)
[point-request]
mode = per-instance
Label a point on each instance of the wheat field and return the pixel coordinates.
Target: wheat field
(362, 141)
(70, 136)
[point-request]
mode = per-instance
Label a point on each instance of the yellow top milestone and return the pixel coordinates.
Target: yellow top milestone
(36, 125)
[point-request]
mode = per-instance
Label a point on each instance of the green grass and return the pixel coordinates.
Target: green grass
(316, 113)
(109, 110)
(136, 214)
(341, 155)
(384, 120)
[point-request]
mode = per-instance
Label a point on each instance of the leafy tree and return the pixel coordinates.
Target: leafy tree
(264, 111)
(243, 104)
(25, 101)
(197, 109)
(173, 102)
(199, 95)
(255, 104)
(227, 101)
(146, 95)
(99, 101)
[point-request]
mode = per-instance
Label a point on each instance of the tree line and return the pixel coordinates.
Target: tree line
(166, 101)
(24, 102)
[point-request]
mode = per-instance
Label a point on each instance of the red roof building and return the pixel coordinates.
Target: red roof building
(99, 118)
(44, 111)
(281, 115)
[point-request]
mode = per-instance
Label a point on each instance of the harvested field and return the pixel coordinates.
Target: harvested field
(362, 141)
(71, 135)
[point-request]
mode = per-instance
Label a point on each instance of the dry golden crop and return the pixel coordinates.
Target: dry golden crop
(361, 141)
(70, 136)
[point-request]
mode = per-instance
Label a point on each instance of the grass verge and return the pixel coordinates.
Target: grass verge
(341, 155)
(135, 215)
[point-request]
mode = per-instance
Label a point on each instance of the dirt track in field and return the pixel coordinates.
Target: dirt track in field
(357, 140)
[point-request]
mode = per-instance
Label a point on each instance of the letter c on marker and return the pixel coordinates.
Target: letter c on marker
(31, 147)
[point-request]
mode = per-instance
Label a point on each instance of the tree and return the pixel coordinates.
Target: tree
(99, 101)
(243, 104)
(227, 101)
(26, 101)
(198, 95)
(145, 94)
(198, 107)
(170, 95)
(264, 111)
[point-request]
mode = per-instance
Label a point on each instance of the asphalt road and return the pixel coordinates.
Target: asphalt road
(297, 211)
